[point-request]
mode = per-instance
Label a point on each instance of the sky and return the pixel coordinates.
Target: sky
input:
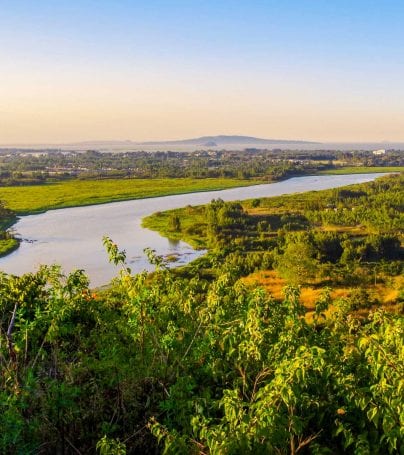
(163, 70)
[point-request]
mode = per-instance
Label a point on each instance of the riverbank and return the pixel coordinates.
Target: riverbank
(8, 243)
(72, 237)
(27, 200)
(34, 199)
(362, 170)
(347, 238)
(191, 220)
(7, 246)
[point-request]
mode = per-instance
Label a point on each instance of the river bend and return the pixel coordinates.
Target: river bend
(72, 237)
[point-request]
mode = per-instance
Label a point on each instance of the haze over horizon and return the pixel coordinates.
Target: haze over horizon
(159, 71)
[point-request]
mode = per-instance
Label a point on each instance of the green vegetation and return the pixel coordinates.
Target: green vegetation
(347, 238)
(192, 225)
(29, 167)
(7, 246)
(7, 242)
(7, 218)
(36, 198)
(201, 360)
(362, 170)
(176, 364)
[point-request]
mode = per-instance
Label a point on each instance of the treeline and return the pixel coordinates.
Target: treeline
(24, 168)
(165, 363)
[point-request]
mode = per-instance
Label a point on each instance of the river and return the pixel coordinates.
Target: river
(72, 237)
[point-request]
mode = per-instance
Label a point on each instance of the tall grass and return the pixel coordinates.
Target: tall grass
(37, 198)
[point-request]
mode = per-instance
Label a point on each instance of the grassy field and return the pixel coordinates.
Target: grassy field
(191, 219)
(37, 198)
(362, 170)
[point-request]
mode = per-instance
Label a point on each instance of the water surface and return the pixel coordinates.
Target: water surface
(72, 237)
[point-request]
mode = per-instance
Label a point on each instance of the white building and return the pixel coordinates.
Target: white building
(379, 152)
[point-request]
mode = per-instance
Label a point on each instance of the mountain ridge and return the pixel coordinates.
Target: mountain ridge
(223, 139)
(215, 140)
(224, 142)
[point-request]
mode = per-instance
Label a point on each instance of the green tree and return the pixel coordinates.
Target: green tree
(174, 223)
(297, 264)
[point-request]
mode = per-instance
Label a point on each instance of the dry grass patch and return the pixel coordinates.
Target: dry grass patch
(354, 230)
(273, 284)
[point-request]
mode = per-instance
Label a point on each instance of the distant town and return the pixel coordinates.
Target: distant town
(30, 166)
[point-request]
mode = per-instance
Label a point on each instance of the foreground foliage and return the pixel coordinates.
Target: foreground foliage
(195, 360)
(183, 365)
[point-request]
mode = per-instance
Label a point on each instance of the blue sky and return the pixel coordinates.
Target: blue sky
(165, 69)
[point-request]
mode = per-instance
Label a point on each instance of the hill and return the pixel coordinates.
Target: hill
(224, 140)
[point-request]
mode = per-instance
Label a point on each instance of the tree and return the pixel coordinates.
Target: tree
(297, 263)
(175, 223)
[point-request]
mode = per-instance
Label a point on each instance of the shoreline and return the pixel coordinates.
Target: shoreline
(18, 215)
(134, 198)
(351, 170)
(11, 248)
(149, 221)
(125, 199)
(153, 223)
(219, 188)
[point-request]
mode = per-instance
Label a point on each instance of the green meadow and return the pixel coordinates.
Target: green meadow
(362, 170)
(36, 198)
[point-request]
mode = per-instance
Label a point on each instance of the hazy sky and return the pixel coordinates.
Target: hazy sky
(150, 70)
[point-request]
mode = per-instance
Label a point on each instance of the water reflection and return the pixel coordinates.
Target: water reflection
(173, 243)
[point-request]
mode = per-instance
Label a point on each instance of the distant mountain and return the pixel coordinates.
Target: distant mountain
(223, 140)
(234, 142)
(229, 142)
